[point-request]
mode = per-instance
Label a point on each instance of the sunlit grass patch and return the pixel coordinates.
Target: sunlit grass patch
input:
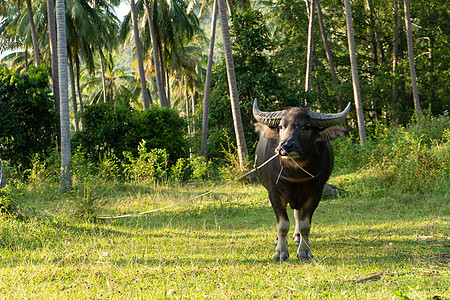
(221, 247)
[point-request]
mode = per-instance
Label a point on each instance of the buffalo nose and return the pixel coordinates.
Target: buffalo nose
(288, 147)
(285, 149)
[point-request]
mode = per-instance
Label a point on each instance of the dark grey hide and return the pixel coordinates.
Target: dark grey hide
(303, 139)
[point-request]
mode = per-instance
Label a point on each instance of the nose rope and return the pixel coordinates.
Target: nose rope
(301, 167)
(281, 152)
(193, 198)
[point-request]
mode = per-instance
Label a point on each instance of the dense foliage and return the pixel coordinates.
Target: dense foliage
(113, 130)
(386, 94)
(28, 120)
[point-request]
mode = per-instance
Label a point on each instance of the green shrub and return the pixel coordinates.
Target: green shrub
(28, 119)
(115, 130)
(413, 159)
(10, 195)
(148, 165)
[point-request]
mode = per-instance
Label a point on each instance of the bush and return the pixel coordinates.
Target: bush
(9, 197)
(413, 159)
(115, 130)
(28, 119)
(148, 165)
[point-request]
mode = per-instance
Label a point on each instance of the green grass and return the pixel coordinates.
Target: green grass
(221, 247)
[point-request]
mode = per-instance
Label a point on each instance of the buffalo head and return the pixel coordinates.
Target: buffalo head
(298, 129)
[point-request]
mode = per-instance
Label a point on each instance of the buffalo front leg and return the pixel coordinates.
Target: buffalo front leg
(282, 251)
(279, 208)
(304, 226)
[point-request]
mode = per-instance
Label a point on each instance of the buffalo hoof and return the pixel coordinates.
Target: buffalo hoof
(283, 256)
(305, 255)
(296, 238)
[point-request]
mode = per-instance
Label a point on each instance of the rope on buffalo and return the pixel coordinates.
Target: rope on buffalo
(193, 198)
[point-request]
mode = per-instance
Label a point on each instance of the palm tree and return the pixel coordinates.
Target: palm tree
(175, 26)
(334, 77)
(395, 58)
(137, 42)
(156, 59)
(53, 50)
(118, 83)
(235, 108)
(354, 67)
(204, 141)
(92, 29)
(66, 180)
(73, 88)
(33, 32)
(310, 47)
(412, 66)
(22, 25)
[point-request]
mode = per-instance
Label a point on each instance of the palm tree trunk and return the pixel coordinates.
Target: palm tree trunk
(53, 50)
(372, 34)
(395, 60)
(140, 59)
(235, 108)
(102, 64)
(412, 65)
(212, 39)
(26, 58)
(167, 88)
(431, 68)
(310, 48)
(354, 67)
(163, 73)
(33, 33)
(80, 98)
(156, 61)
(334, 77)
(323, 32)
(66, 180)
(72, 85)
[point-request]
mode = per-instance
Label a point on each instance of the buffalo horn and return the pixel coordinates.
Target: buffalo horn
(328, 120)
(271, 119)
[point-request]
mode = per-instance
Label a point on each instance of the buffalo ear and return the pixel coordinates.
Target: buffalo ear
(266, 131)
(331, 133)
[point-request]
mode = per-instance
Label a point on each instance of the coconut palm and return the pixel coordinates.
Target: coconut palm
(354, 67)
(235, 108)
(156, 59)
(53, 50)
(137, 43)
(66, 180)
(204, 140)
(175, 26)
(33, 32)
(92, 32)
(310, 47)
(119, 86)
(412, 66)
(15, 31)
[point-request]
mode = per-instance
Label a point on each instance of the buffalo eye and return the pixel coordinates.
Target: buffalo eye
(306, 127)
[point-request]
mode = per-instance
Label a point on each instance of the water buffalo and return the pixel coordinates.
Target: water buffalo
(303, 140)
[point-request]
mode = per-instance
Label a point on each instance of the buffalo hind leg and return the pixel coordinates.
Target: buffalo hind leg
(296, 237)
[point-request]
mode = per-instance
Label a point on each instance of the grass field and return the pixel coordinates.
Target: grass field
(221, 247)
